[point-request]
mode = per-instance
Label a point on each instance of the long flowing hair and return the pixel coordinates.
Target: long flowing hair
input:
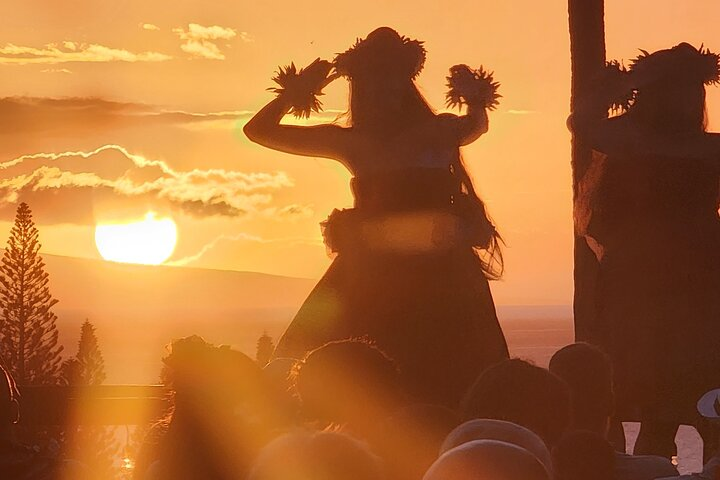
(671, 107)
(382, 106)
(379, 109)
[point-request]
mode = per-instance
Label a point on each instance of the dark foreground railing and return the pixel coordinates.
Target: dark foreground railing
(96, 405)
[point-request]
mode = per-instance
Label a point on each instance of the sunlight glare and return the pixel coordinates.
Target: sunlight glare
(150, 241)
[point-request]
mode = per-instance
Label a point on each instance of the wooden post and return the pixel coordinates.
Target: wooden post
(587, 53)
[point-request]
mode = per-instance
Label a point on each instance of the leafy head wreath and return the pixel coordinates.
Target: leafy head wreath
(682, 62)
(384, 53)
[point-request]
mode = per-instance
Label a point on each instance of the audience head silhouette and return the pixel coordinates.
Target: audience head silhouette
(519, 392)
(487, 459)
(348, 382)
(216, 376)
(588, 372)
(213, 432)
(316, 456)
(502, 431)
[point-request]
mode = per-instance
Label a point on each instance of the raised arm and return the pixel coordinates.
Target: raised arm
(477, 90)
(313, 141)
(588, 118)
(473, 124)
(611, 88)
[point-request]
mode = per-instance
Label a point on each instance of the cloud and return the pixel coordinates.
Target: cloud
(149, 26)
(11, 54)
(55, 70)
(66, 187)
(521, 112)
(79, 115)
(246, 37)
(200, 41)
(203, 50)
(242, 237)
(289, 211)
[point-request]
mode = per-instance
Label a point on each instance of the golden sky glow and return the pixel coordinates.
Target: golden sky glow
(109, 110)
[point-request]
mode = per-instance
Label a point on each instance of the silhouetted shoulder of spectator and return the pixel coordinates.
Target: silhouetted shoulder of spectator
(519, 392)
(316, 456)
(502, 431)
(642, 467)
(711, 471)
(589, 374)
(487, 459)
(20, 462)
(584, 455)
(216, 426)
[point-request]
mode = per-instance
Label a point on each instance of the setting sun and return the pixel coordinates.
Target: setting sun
(150, 241)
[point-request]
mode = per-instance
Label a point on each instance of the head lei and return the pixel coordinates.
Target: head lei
(383, 53)
(681, 63)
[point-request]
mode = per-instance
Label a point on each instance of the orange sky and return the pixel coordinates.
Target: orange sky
(158, 98)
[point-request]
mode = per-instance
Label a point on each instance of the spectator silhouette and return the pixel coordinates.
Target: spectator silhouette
(709, 408)
(18, 461)
(502, 431)
(487, 459)
(316, 456)
(588, 372)
(215, 428)
(349, 383)
(519, 392)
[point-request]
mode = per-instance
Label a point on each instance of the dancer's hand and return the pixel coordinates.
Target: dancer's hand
(299, 90)
(318, 73)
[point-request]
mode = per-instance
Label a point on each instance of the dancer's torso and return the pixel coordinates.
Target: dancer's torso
(404, 189)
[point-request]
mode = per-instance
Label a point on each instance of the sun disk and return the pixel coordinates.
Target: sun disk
(150, 241)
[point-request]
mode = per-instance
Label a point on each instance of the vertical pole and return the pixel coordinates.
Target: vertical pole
(587, 54)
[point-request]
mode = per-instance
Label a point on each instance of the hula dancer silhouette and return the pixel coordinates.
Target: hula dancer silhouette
(415, 253)
(650, 203)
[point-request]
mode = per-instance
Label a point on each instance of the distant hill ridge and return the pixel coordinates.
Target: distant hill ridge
(139, 309)
(82, 283)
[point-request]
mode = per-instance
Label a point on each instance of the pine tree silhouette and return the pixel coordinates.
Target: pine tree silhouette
(28, 335)
(265, 349)
(93, 446)
(88, 366)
